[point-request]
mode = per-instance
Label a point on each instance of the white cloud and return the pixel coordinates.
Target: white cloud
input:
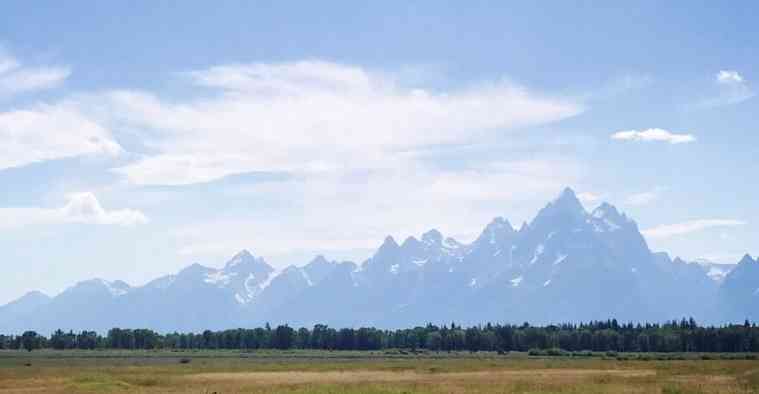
(47, 132)
(644, 198)
(355, 143)
(732, 88)
(655, 134)
(729, 77)
(80, 208)
(44, 131)
(313, 116)
(692, 226)
(16, 78)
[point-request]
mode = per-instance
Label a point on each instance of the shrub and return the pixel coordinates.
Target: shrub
(555, 352)
(535, 352)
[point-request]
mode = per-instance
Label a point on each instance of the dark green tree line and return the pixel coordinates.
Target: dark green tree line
(601, 336)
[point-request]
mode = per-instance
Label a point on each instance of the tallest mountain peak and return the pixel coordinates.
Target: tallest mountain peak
(568, 199)
(568, 192)
(566, 205)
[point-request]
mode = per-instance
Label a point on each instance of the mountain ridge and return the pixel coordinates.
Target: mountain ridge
(567, 264)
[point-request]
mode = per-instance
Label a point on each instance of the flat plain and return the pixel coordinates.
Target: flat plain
(370, 372)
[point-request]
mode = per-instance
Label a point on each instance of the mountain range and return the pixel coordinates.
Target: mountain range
(566, 265)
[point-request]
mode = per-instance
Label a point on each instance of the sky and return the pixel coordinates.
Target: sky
(139, 137)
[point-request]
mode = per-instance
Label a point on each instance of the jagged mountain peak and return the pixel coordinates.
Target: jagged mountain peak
(245, 259)
(678, 260)
(410, 243)
(36, 294)
(557, 265)
(115, 288)
(32, 296)
(432, 237)
(499, 223)
(566, 206)
(389, 240)
(606, 210)
(319, 268)
(747, 259)
(568, 197)
(318, 260)
(495, 232)
(568, 192)
(241, 257)
(193, 270)
(389, 244)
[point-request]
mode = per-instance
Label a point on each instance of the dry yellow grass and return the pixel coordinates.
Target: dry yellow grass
(136, 374)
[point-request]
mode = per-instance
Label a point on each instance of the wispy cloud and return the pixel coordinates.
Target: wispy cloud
(732, 88)
(347, 116)
(692, 226)
(653, 135)
(620, 85)
(81, 208)
(16, 78)
(44, 131)
(47, 132)
(644, 198)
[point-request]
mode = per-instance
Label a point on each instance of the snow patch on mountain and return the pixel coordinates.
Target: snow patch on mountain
(420, 263)
(715, 271)
(116, 289)
(305, 276)
(163, 282)
(538, 252)
(219, 278)
(267, 282)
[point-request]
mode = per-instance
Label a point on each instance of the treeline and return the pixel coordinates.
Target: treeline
(682, 336)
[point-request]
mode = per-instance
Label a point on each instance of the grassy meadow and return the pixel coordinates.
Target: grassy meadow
(371, 372)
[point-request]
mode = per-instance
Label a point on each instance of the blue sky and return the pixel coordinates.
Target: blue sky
(137, 138)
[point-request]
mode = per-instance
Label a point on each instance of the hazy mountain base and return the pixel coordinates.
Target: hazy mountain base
(567, 265)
